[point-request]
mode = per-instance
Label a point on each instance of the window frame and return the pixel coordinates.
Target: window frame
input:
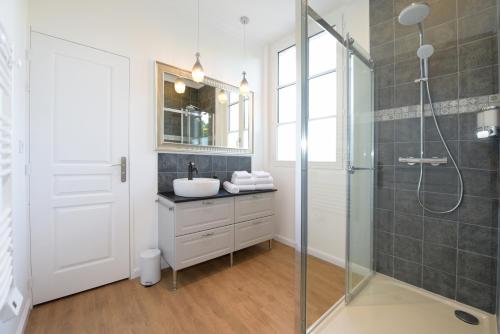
(275, 50)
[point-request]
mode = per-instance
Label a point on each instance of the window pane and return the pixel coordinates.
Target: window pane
(322, 53)
(245, 139)
(286, 67)
(245, 113)
(286, 104)
(286, 142)
(232, 140)
(323, 96)
(322, 140)
(234, 117)
(234, 97)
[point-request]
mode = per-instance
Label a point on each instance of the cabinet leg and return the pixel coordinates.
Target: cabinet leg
(174, 279)
(270, 243)
(231, 259)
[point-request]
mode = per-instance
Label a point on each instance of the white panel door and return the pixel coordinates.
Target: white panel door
(79, 204)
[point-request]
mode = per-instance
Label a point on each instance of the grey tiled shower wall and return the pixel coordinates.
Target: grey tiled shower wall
(173, 165)
(454, 255)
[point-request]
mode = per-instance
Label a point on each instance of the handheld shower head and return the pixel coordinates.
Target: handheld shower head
(424, 53)
(414, 14)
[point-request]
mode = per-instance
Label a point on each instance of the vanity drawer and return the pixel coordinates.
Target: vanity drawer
(253, 232)
(198, 247)
(250, 207)
(203, 215)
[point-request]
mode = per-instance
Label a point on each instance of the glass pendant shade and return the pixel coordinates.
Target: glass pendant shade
(179, 86)
(244, 88)
(198, 73)
(222, 97)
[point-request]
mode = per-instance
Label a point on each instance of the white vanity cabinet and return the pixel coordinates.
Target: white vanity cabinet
(196, 231)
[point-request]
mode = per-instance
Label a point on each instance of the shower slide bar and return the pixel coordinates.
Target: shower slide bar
(431, 161)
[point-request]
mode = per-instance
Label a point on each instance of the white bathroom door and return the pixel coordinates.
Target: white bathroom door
(79, 199)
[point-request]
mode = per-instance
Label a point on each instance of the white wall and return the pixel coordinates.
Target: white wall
(327, 185)
(14, 17)
(145, 32)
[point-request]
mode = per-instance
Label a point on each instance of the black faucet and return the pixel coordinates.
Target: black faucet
(192, 168)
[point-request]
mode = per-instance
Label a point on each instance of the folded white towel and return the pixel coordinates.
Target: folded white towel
(260, 174)
(246, 187)
(263, 180)
(264, 186)
(242, 174)
(240, 181)
(231, 188)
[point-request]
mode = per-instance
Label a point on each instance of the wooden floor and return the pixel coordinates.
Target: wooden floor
(256, 295)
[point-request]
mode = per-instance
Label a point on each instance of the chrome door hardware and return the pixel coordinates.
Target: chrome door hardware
(432, 161)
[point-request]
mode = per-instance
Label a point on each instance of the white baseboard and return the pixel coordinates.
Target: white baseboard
(136, 272)
(23, 320)
(314, 252)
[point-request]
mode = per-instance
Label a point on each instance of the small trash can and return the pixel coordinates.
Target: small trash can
(150, 267)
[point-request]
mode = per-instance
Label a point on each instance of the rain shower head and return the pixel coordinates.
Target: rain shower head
(414, 13)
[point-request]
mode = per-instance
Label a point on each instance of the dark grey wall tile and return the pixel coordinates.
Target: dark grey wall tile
(479, 154)
(440, 257)
(408, 272)
(480, 182)
(384, 98)
(384, 131)
(384, 154)
(385, 242)
(407, 71)
(478, 268)
(444, 88)
(380, 10)
(482, 81)
(441, 11)
(384, 76)
(468, 7)
(408, 249)
(478, 239)
(382, 33)
(477, 26)
(439, 282)
(385, 176)
(479, 211)
(407, 178)
(406, 47)
(383, 54)
(437, 149)
(476, 294)
(165, 181)
(232, 163)
(405, 150)
(478, 53)
(406, 202)
(222, 176)
(406, 95)
(408, 130)
(204, 163)
(440, 202)
(219, 163)
(245, 163)
(183, 161)
(467, 124)
(384, 199)
(385, 264)
(448, 125)
(167, 162)
(444, 62)
(408, 226)
(384, 220)
(441, 180)
(442, 232)
(442, 36)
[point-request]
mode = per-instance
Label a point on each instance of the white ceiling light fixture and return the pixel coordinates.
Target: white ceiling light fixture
(222, 97)
(179, 86)
(244, 88)
(197, 72)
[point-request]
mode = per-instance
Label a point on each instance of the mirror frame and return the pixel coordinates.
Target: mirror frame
(161, 68)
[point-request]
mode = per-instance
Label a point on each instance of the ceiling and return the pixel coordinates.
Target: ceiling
(269, 19)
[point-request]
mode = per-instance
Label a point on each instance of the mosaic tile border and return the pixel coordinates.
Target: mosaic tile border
(468, 105)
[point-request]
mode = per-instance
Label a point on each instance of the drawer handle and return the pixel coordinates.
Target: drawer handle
(207, 202)
(207, 234)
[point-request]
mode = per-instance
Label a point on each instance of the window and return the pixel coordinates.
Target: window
(233, 133)
(322, 101)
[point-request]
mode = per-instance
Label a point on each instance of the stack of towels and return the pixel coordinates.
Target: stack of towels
(244, 181)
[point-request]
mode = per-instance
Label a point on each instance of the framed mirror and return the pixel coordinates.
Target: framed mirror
(210, 116)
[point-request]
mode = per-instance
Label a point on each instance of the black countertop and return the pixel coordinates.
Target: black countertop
(221, 194)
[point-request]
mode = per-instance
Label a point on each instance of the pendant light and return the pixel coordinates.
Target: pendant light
(244, 88)
(222, 97)
(179, 86)
(197, 72)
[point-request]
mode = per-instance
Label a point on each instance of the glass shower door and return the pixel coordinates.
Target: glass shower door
(360, 171)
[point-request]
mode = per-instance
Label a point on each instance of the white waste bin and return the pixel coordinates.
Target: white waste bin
(150, 267)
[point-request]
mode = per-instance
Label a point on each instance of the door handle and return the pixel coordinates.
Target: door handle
(352, 169)
(123, 168)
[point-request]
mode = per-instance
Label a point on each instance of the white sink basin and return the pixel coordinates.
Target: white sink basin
(197, 187)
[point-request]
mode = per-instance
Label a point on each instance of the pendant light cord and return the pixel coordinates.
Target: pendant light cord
(198, 26)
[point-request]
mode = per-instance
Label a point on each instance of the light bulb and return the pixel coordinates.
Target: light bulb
(198, 73)
(179, 86)
(222, 97)
(244, 88)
